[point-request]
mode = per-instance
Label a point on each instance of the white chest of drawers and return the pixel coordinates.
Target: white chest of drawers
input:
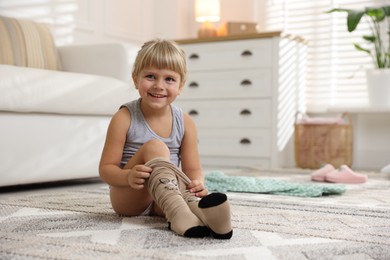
(243, 93)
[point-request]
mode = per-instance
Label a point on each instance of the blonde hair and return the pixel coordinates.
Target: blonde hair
(162, 54)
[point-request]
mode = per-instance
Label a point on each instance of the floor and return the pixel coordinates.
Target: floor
(283, 222)
(300, 175)
(9, 191)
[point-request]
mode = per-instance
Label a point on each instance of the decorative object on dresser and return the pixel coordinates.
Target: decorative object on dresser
(207, 12)
(243, 92)
(237, 28)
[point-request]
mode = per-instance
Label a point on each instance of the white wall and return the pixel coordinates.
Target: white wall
(371, 140)
(131, 21)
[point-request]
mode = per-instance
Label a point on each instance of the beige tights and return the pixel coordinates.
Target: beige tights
(213, 210)
(163, 187)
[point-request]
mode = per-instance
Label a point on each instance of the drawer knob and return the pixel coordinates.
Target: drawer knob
(194, 56)
(245, 141)
(193, 85)
(193, 112)
(246, 53)
(245, 112)
(246, 82)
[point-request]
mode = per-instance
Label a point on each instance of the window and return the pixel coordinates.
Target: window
(336, 70)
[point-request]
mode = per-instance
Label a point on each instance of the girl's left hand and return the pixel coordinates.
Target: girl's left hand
(198, 188)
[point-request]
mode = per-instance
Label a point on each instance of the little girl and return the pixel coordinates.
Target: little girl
(148, 139)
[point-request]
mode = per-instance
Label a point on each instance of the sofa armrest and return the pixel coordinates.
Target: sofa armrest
(109, 59)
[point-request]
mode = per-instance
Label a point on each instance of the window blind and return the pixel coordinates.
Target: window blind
(336, 70)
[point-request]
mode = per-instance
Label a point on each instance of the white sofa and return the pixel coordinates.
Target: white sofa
(53, 123)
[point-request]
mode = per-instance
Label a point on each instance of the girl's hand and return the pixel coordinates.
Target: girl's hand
(137, 176)
(198, 188)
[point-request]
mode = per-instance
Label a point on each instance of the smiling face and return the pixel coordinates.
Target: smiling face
(158, 87)
(159, 73)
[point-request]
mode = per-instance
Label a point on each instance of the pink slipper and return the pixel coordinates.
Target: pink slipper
(344, 174)
(319, 175)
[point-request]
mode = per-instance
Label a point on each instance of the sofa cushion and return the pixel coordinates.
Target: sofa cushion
(45, 91)
(27, 44)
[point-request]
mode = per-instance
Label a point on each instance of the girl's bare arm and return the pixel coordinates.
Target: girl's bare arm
(190, 160)
(109, 169)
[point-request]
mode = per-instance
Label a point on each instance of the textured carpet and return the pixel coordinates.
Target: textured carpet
(77, 222)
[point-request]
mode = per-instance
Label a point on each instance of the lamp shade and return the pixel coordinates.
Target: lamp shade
(207, 10)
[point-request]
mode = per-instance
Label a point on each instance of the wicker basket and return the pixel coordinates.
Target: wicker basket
(318, 144)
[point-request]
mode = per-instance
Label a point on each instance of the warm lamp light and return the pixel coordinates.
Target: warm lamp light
(206, 12)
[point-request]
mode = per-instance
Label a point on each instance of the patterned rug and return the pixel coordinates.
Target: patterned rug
(77, 222)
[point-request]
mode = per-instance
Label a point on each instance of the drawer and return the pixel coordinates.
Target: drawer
(235, 142)
(229, 55)
(229, 113)
(228, 84)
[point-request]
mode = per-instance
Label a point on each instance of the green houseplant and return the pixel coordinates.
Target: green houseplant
(379, 22)
(378, 79)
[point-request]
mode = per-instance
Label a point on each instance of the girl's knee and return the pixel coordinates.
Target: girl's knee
(156, 148)
(156, 142)
(151, 149)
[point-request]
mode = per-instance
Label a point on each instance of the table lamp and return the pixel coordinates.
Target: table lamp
(207, 12)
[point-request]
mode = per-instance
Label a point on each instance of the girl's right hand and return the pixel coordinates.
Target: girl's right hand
(137, 176)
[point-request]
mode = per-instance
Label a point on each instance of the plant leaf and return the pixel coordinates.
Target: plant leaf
(360, 48)
(378, 14)
(337, 10)
(370, 38)
(353, 19)
(386, 9)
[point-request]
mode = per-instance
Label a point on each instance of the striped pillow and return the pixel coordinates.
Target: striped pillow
(27, 44)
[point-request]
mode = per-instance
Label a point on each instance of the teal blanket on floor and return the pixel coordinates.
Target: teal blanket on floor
(218, 181)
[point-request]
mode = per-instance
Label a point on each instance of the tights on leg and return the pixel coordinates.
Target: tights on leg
(213, 210)
(163, 187)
